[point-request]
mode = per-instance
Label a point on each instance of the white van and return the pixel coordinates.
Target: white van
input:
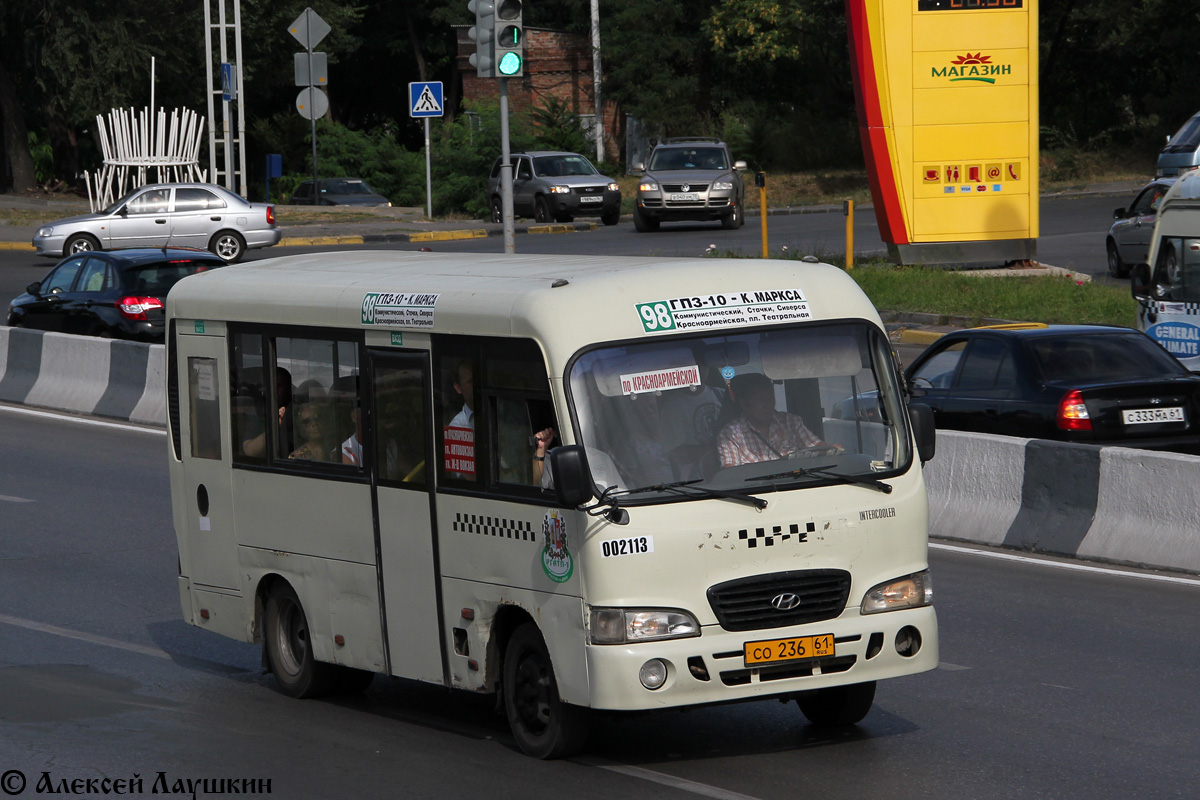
(731, 508)
(1168, 295)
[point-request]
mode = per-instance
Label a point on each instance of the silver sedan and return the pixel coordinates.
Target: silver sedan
(198, 215)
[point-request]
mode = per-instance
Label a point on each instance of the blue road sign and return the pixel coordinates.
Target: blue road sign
(425, 99)
(228, 87)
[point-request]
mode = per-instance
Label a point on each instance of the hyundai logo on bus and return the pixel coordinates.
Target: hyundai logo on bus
(785, 602)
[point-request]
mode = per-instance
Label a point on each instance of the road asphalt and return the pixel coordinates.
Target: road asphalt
(410, 225)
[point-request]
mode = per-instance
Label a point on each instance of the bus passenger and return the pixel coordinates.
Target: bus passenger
(309, 428)
(254, 436)
(352, 447)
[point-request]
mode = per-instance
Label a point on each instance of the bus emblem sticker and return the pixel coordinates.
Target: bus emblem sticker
(556, 558)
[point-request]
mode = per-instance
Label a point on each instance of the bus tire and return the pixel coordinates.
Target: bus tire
(543, 725)
(289, 650)
(837, 706)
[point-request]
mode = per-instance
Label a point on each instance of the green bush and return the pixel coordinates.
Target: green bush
(463, 154)
(375, 156)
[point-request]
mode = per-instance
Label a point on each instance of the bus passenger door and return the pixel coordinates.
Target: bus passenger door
(408, 558)
(209, 558)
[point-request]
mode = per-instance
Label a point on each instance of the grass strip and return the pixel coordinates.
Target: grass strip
(931, 290)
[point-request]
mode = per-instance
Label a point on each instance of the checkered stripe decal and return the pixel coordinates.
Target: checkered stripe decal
(753, 538)
(494, 526)
(1188, 308)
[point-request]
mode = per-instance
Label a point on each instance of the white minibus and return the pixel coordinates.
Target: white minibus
(583, 483)
(1168, 292)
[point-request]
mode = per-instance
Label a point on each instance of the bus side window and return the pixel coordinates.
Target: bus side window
(249, 406)
(401, 434)
(457, 370)
(204, 407)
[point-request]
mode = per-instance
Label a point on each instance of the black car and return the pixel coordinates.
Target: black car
(1077, 383)
(119, 294)
(340, 192)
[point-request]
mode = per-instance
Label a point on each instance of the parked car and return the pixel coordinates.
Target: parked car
(1128, 241)
(1077, 383)
(197, 215)
(120, 294)
(551, 186)
(1182, 151)
(340, 192)
(690, 179)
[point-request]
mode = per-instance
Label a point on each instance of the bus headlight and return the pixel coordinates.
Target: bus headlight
(629, 625)
(912, 591)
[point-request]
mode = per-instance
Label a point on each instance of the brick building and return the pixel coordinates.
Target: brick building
(557, 64)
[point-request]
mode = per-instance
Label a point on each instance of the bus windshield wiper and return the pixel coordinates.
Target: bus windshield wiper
(823, 472)
(700, 491)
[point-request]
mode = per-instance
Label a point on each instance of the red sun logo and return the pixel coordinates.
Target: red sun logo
(978, 58)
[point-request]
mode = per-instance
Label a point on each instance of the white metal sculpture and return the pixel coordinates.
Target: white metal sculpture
(139, 148)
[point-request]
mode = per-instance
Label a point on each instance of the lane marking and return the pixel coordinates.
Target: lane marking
(1120, 573)
(91, 638)
(124, 426)
(702, 789)
(10, 499)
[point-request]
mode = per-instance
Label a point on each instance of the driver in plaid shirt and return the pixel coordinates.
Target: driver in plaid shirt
(761, 433)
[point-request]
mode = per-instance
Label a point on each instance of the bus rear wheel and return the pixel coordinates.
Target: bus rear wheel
(543, 725)
(289, 648)
(837, 706)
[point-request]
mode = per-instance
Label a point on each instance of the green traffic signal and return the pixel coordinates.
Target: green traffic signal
(510, 36)
(510, 64)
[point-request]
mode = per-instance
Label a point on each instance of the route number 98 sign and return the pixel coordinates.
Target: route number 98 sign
(724, 310)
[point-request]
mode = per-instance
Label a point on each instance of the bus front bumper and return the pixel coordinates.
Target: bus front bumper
(710, 668)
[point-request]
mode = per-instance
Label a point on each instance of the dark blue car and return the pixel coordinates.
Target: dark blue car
(119, 294)
(1078, 383)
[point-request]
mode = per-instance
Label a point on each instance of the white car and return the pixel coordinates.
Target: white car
(198, 215)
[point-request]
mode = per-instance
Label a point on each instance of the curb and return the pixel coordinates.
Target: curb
(911, 336)
(430, 236)
(16, 246)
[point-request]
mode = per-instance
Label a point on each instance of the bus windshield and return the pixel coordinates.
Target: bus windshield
(749, 412)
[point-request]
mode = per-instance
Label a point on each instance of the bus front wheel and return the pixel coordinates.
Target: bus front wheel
(543, 725)
(289, 649)
(837, 706)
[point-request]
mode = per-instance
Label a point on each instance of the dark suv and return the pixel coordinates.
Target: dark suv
(554, 186)
(690, 179)
(119, 294)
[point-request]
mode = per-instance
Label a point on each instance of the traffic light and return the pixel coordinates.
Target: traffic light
(484, 35)
(509, 47)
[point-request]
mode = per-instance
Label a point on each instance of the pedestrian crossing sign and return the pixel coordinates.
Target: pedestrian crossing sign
(425, 99)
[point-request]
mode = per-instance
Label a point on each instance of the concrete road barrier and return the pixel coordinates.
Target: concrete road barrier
(1113, 504)
(1134, 507)
(84, 374)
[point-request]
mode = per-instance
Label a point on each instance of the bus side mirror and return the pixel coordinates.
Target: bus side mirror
(1139, 283)
(921, 416)
(571, 475)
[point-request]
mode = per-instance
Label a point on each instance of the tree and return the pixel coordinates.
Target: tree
(657, 65)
